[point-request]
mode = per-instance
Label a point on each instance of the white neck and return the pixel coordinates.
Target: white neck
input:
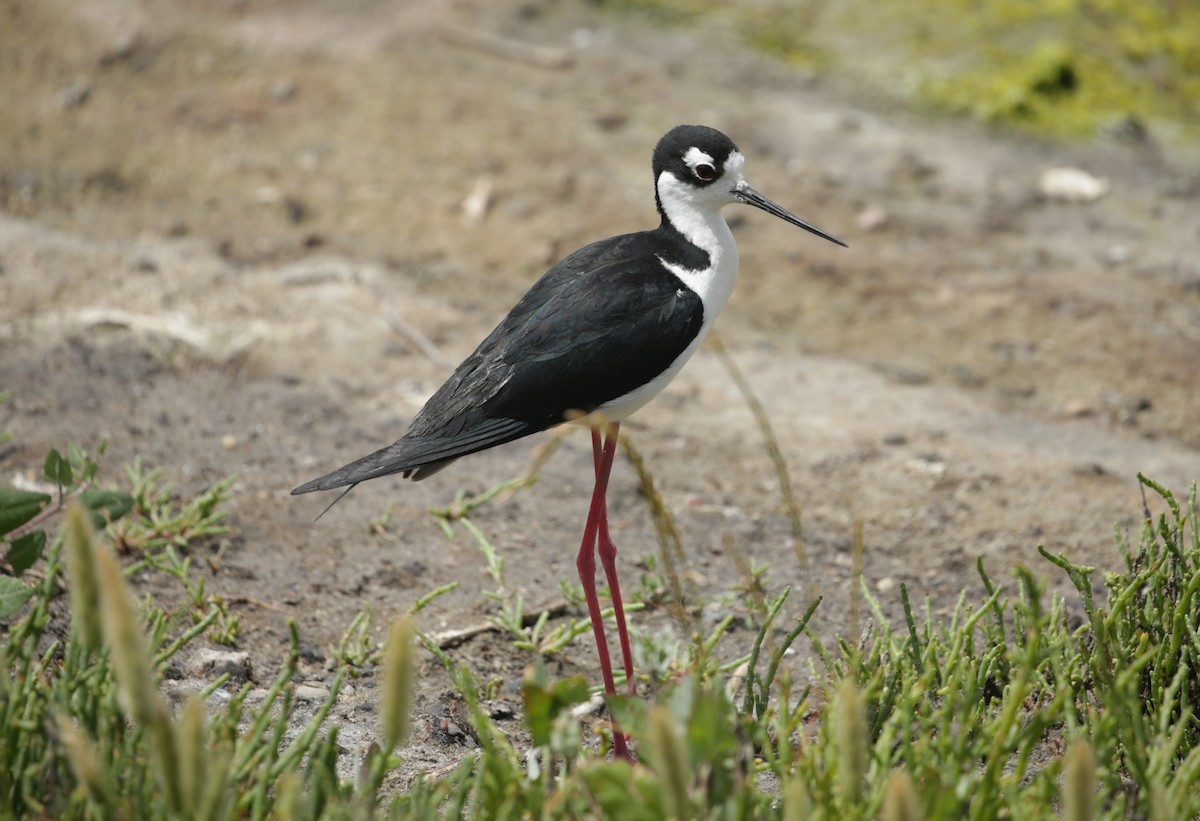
(701, 222)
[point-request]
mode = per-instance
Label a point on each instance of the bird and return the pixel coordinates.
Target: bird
(595, 339)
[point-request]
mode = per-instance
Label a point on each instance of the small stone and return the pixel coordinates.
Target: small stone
(500, 710)
(1071, 185)
(610, 120)
(1118, 254)
(928, 464)
(229, 441)
(297, 210)
(210, 663)
(123, 48)
(257, 696)
(282, 92)
(912, 166)
(873, 217)
(309, 160)
(479, 201)
(74, 96)
(885, 585)
(966, 377)
(178, 692)
(1128, 129)
(906, 374)
(307, 692)
(1077, 408)
(310, 652)
(583, 38)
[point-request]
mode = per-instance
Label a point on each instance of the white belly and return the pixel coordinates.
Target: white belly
(617, 409)
(713, 285)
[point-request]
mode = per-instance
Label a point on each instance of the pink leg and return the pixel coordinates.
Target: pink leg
(586, 564)
(608, 556)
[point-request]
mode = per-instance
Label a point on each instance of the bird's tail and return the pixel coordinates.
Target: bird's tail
(418, 456)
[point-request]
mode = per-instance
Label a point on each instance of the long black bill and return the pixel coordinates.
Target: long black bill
(749, 196)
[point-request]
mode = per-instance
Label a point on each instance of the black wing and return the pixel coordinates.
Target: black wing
(578, 339)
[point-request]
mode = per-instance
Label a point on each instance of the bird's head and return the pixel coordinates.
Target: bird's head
(699, 169)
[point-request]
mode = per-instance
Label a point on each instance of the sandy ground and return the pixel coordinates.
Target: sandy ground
(222, 223)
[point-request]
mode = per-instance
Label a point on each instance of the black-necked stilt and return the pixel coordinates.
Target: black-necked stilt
(602, 333)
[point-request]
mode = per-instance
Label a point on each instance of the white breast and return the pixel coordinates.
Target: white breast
(706, 228)
(695, 212)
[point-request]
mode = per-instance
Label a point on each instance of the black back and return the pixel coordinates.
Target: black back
(598, 325)
(604, 321)
(601, 323)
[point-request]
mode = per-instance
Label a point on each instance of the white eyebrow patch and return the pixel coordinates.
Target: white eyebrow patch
(695, 156)
(734, 164)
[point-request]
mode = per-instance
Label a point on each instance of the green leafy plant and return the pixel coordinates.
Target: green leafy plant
(1005, 708)
(160, 521)
(23, 514)
(357, 650)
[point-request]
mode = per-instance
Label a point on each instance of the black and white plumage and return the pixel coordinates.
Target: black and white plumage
(602, 332)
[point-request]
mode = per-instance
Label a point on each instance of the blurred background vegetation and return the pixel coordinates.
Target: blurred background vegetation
(1068, 68)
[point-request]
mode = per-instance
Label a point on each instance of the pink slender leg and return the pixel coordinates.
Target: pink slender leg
(586, 564)
(608, 556)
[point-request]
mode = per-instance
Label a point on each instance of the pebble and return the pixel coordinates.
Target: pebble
(927, 464)
(123, 48)
(74, 96)
(210, 663)
(873, 217)
(1071, 185)
(966, 377)
(477, 203)
(1118, 254)
(257, 696)
(1076, 408)
(307, 692)
(284, 91)
(145, 265)
(583, 38)
(298, 210)
(500, 711)
(610, 120)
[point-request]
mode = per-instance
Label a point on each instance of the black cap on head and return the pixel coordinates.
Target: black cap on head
(698, 156)
(671, 149)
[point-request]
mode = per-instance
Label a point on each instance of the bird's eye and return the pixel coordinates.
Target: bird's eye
(705, 172)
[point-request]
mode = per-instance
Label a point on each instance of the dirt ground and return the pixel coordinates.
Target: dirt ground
(225, 224)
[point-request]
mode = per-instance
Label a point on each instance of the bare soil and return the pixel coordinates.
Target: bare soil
(222, 223)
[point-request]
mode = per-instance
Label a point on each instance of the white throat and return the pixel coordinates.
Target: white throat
(697, 215)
